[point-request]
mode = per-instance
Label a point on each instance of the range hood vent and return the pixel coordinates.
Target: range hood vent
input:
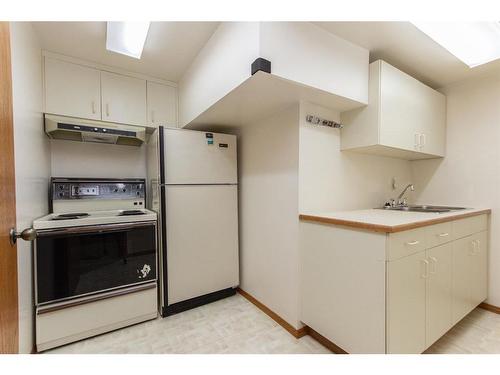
(75, 129)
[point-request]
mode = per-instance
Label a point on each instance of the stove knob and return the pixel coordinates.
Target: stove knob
(116, 190)
(124, 190)
(61, 194)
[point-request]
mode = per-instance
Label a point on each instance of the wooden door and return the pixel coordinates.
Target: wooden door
(72, 90)
(438, 292)
(9, 334)
(406, 281)
(123, 99)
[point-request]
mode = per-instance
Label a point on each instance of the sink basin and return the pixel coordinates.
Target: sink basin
(424, 208)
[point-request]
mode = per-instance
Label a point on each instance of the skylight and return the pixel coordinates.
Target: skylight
(474, 43)
(127, 38)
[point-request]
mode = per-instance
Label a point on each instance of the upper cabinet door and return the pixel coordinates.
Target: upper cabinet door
(162, 105)
(72, 90)
(123, 99)
(404, 118)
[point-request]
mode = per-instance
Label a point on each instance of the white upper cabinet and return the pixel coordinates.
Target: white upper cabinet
(123, 99)
(404, 117)
(72, 90)
(162, 105)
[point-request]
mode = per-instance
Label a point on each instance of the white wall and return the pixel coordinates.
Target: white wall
(331, 180)
(308, 54)
(32, 160)
(286, 167)
(221, 65)
(78, 159)
(469, 175)
(268, 191)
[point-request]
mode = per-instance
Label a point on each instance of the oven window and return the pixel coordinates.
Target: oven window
(73, 264)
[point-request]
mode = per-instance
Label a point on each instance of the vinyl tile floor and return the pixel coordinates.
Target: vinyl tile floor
(234, 325)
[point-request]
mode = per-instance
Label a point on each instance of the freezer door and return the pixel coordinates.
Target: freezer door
(202, 240)
(195, 157)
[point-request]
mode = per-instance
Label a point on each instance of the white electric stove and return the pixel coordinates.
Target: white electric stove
(95, 260)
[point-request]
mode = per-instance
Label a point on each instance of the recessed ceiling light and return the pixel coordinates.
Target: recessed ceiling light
(127, 38)
(474, 43)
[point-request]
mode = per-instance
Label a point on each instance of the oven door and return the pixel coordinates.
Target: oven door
(80, 261)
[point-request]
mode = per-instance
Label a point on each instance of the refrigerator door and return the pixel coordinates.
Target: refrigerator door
(202, 240)
(196, 157)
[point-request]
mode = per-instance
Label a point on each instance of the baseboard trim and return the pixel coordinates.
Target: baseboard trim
(297, 333)
(489, 307)
(324, 341)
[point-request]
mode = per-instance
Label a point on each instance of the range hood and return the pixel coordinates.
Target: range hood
(75, 129)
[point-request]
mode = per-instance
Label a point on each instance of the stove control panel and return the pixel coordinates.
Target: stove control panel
(68, 189)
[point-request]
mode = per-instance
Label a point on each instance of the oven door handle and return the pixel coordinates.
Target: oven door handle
(92, 229)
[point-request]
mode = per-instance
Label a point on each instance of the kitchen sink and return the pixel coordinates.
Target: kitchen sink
(424, 208)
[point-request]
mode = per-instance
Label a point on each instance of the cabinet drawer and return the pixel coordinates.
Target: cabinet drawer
(465, 227)
(406, 243)
(439, 234)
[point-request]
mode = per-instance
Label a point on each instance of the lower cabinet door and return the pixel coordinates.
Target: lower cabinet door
(406, 283)
(462, 265)
(479, 269)
(438, 292)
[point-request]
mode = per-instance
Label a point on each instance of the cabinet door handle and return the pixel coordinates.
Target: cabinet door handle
(443, 234)
(107, 109)
(417, 141)
(93, 106)
(152, 116)
(422, 141)
(472, 249)
(412, 243)
(433, 265)
(425, 274)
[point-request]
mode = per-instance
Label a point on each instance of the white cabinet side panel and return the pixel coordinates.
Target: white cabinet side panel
(343, 286)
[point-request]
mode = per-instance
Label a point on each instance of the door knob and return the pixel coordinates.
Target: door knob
(29, 234)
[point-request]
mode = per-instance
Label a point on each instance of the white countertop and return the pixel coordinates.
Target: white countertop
(387, 220)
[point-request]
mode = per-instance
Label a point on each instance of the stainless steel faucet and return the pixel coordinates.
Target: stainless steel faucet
(402, 201)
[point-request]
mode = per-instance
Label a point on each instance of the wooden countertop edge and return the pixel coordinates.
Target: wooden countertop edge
(389, 228)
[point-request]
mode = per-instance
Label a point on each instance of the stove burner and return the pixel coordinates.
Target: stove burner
(131, 212)
(76, 215)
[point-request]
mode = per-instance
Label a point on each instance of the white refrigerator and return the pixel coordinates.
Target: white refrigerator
(193, 186)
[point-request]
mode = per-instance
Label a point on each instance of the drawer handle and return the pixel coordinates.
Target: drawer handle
(412, 243)
(443, 234)
(433, 265)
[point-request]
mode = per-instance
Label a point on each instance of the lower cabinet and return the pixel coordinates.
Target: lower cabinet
(395, 292)
(470, 263)
(406, 286)
(438, 298)
(418, 299)
(430, 291)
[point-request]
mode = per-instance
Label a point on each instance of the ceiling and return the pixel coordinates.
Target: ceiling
(170, 46)
(401, 44)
